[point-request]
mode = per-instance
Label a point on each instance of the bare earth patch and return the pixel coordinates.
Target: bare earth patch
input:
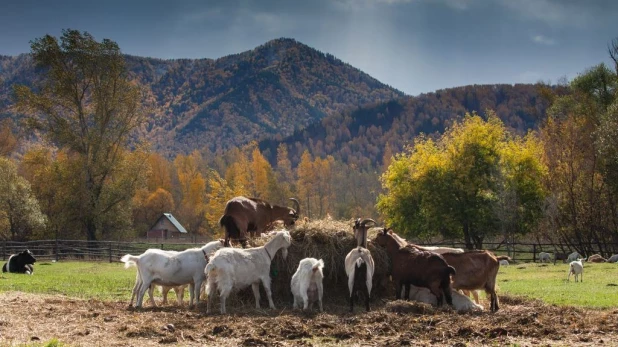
(25, 318)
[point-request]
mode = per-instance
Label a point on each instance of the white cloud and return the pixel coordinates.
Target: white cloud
(543, 40)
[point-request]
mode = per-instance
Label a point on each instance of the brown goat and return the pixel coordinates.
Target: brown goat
(250, 215)
(474, 270)
(596, 258)
(411, 266)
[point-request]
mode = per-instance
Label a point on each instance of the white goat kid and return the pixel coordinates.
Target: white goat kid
(461, 302)
(306, 283)
(576, 268)
(544, 257)
(574, 256)
(162, 268)
(234, 268)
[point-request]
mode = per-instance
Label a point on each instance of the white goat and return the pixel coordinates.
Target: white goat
(544, 257)
(169, 269)
(461, 302)
(234, 268)
(613, 258)
(179, 290)
(358, 259)
(574, 256)
(440, 250)
(576, 268)
(306, 283)
(504, 262)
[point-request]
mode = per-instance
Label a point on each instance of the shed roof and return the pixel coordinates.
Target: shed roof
(173, 220)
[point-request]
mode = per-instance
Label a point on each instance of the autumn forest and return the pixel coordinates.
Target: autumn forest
(96, 145)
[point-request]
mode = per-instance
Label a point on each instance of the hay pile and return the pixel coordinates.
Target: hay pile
(330, 241)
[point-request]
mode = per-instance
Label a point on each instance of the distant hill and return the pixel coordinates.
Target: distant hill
(268, 92)
(361, 137)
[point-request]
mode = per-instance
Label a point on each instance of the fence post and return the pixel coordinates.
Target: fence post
(534, 252)
(110, 251)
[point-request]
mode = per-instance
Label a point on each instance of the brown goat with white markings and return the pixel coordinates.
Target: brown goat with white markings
(250, 215)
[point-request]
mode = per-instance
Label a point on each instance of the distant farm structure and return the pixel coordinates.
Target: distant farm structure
(166, 228)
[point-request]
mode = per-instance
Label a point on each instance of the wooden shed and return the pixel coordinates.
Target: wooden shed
(167, 227)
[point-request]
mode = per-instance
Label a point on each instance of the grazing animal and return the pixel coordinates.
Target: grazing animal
(503, 262)
(162, 268)
(596, 258)
(613, 258)
(360, 231)
(20, 263)
(474, 270)
(233, 268)
(359, 267)
(573, 257)
(560, 256)
(249, 215)
(179, 290)
(576, 268)
(544, 257)
(461, 302)
(306, 283)
(411, 266)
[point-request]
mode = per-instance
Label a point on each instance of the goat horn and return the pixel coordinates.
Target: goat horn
(296, 205)
(365, 221)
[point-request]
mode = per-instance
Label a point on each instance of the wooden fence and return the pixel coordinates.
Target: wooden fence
(112, 251)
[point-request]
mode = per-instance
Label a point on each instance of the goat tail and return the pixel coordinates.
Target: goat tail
(451, 270)
(230, 226)
(209, 268)
(129, 260)
(318, 265)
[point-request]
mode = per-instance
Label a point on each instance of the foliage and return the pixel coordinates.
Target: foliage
(20, 215)
(86, 105)
(473, 182)
(580, 149)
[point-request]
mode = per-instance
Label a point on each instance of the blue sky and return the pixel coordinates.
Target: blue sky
(416, 46)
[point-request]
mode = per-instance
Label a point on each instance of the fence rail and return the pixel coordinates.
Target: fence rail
(47, 250)
(85, 250)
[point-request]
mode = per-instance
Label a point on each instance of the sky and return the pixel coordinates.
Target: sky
(416, 46)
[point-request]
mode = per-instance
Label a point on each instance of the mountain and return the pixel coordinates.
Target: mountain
(268, 92)
(364, 136)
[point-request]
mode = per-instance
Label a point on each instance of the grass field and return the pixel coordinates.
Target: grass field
(112, 282)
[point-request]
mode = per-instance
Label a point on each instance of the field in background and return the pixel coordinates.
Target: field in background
(112, 282)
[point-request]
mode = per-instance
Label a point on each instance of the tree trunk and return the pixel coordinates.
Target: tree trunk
(468, 239)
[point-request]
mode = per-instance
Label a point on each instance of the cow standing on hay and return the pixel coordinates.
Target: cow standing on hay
(250, 215)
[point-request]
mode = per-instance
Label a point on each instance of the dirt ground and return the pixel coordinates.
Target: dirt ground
(27, 318)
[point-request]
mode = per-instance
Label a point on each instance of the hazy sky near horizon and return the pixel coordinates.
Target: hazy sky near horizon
(416, 46)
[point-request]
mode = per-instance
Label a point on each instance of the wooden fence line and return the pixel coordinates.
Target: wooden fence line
(47, 250)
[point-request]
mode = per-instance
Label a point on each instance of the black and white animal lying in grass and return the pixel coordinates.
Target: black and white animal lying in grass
(20, 263)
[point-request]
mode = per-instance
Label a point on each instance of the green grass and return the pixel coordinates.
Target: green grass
(111, 282)
(87, 280)
(548, 283)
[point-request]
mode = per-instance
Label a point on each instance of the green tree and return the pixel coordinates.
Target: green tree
(86, 105)
(20, 215)
(460, 185)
